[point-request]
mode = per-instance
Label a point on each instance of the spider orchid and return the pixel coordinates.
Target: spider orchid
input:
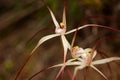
(80, 59)
(60, 30)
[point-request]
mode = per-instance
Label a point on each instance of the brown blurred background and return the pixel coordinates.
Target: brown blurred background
(24, 22)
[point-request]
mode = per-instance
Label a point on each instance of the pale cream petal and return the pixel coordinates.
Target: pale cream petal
(73, 30)
(58, 65)
(68, 63)
(43, 40)
(99, 72)
(80, 59)
(106, 60)
(66, 45)
(47, 38)
(77, 63)
(76, 70)
(64, 16)
(54, 19)
(52, 15)
(70, 60)
(91, 25)
(94, 54)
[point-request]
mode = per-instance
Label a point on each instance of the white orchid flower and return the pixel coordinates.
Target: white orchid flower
(60, 30)
(80, 61)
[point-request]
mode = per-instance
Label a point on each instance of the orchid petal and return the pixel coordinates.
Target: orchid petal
(67, 64)
(52, 15)
(73, 30)
(70, 60)
(99, 72)
(53, 18)
(74, 63)
(30, 55)
(43, 40)
(47, 38)
(76, 69)
(80, 59)
(91, 25)
(66, 45)
(64, 16)
(94, 54)
(103, 61)
(58, 65)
